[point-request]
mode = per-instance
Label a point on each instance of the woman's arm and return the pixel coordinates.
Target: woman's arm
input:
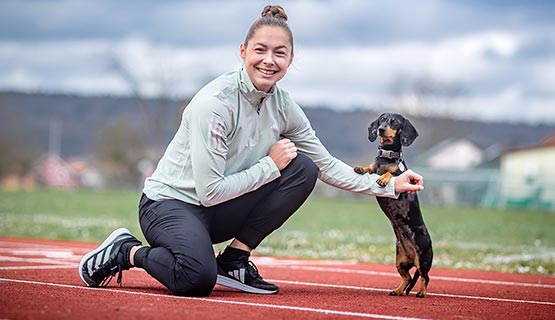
(334, 171)
(210, 124)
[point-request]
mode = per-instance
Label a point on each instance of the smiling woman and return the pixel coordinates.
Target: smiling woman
(268, 52)
(243, 160)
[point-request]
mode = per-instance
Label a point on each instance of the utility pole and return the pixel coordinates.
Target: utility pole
(55, 138)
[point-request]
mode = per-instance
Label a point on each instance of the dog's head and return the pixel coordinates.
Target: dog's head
(392, 128)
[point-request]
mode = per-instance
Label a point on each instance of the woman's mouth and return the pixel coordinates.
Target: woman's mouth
(267, 72)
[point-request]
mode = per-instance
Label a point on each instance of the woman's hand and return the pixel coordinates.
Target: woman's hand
(409, 181)
(282, 152)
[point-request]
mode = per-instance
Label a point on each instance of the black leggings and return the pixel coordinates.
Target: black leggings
(181, 235)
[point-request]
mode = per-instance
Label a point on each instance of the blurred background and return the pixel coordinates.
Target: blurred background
(91, 92)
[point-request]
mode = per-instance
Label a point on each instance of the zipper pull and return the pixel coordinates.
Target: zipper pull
(259, 105)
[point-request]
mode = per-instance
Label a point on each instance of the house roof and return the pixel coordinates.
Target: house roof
(546, 143)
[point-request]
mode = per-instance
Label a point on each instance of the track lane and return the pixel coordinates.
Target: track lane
(310, 289)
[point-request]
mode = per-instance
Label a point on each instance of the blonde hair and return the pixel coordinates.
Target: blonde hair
(272, 15)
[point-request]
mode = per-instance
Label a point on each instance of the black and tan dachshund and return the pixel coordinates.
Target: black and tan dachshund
(414, 246)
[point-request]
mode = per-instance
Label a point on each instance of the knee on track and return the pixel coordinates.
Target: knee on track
(199, 283)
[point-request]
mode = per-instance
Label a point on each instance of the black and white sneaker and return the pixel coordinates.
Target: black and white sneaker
(98, 267)
(242, 274)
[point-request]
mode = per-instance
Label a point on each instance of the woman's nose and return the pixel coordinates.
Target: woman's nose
(269, 58)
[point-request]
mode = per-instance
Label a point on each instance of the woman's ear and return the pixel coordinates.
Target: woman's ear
(242, 51)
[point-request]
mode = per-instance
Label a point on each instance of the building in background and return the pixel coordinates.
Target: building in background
(528, 176)
(454, 154)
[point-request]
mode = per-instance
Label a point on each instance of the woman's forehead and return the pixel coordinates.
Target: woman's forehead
(271, 34)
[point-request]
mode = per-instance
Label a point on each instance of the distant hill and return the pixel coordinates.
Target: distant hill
(26, 118)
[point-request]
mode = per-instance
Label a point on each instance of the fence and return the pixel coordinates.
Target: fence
(468, 188)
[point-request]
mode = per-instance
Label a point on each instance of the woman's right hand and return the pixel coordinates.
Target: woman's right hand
(409, 181)
(282, 152)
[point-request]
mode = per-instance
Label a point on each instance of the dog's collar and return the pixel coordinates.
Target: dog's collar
(389, 154)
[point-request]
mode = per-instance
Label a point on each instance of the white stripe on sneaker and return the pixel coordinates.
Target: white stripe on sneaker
(92, 259)
(233, 283)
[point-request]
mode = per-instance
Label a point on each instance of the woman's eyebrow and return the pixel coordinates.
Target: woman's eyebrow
(266, 46)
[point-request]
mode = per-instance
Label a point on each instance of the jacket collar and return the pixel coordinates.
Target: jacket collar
(253, 95)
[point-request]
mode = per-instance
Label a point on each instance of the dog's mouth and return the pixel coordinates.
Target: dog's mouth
(383, 136)
(386, 140)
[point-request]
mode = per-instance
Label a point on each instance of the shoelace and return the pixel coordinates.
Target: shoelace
(253, 270)
(109, 277)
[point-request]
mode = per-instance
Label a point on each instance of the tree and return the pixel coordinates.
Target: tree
(18, 145)
(118, 149)
(426, 95)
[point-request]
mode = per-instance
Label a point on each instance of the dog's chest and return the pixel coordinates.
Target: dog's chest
(398, 211)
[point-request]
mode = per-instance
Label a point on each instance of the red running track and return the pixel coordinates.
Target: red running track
(39, 280)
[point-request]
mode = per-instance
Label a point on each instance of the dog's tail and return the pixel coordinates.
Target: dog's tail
(412, 282)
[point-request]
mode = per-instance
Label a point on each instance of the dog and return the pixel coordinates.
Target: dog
(414, 245)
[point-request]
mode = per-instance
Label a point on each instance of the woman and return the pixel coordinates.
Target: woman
(242, 162)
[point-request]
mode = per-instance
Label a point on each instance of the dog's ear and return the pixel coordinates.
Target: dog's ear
(373, 130)
(409, 134)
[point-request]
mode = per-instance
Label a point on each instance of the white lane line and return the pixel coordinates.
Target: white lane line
(339, 286)
(267, 263)
(251, 304)
(290, 264)
(65, 266)
(434, 278)
(34, 260)
(314, 284)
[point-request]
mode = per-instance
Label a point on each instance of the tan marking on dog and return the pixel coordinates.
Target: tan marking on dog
(388, 136)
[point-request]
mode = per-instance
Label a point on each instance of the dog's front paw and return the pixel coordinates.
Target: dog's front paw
(395, 293)
(382, 182)
(359, 170)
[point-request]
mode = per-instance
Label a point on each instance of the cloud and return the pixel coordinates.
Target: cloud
(489, 60)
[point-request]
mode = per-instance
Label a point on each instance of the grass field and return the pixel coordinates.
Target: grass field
(516, 241)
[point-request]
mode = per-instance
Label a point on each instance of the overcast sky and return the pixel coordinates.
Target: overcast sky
(492, 60)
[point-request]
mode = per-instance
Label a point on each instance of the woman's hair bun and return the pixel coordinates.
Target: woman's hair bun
(274, 12)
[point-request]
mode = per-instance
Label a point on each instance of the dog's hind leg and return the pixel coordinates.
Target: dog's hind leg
(424, 266)
(423, 286)
(412, 282)
(403, 269)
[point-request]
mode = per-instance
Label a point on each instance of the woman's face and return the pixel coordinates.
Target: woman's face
(267, 56)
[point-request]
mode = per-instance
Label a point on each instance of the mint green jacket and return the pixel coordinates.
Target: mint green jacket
(220, 150)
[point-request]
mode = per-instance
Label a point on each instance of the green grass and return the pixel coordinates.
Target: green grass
(72, 215)
(515, 241)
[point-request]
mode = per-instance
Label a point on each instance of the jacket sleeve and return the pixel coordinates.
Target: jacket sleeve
(332, 170)
(209, 127)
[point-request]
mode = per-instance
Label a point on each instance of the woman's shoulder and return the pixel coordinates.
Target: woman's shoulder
(284, 100)
(223, 85)
(215, 96)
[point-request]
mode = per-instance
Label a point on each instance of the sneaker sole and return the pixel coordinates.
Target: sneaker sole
(231, 283)
(104, 244)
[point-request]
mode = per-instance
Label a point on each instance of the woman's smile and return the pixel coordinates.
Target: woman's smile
(267, 71)
(267, 56)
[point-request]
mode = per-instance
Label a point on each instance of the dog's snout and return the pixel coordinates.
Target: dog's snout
(382, 128)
